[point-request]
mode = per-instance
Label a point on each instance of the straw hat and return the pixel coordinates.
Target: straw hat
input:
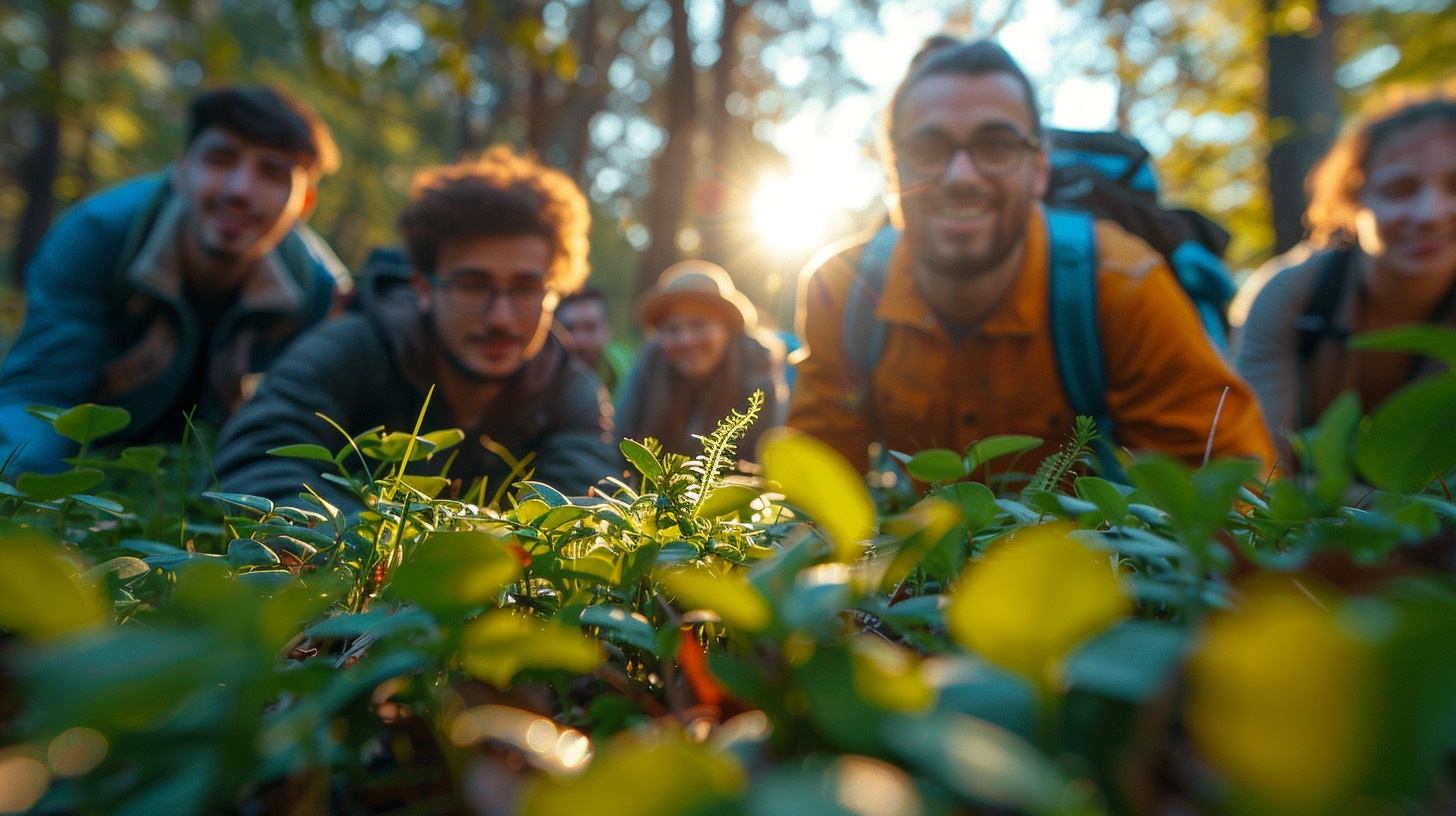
(696, 282)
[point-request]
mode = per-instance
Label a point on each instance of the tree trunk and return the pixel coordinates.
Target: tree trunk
(1303, 107)
(41, 165)
(672, 172)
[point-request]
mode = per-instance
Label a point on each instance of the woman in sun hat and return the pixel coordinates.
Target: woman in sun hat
(703, 359)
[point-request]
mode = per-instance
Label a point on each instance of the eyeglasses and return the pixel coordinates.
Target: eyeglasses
(477, 295)
(995, 151)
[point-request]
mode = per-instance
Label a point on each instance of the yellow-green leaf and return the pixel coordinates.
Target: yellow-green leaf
(500, 645)
(1033, 597)
(454, 572)
(817, 480)
(642, 775)
(39, 596)
(735, 601)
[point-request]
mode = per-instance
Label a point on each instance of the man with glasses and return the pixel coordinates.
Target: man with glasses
(952, 342)
(491, 246)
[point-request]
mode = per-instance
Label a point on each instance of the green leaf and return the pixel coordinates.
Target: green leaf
(124, 568)
(39, 595)
(269, 582)
(663, 775)
(98, 503)
(257, 504)
(1167, 483)
(315, 452)
(936, 465)
(391, 447)
(245, 552)
(143, 459)
(559, 516)
(984, 763)
(815, 478)
(428, 486)
(1131, 662)
(735, 601)
(454, 572)
(499, 645)
(994, 447)
(1408, 441)
(1111, 501)
(548, 494)
(59, 486)
(444, 439)
(727, 499)
(1436, 342)
(642, 459)
(631, 628)
(1328, 452)
(88, 422)
(45, 413)
(148, 547)
(976, 501)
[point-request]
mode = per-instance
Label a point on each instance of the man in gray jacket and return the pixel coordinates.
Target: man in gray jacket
(492, 244)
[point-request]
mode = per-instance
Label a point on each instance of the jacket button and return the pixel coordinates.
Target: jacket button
(969, 419)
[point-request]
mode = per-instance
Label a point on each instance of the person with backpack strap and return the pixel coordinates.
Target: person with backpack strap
(173, 291)
(993, 314)
(1381, 253)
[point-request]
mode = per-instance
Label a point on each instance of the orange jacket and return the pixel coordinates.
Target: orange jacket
(1164, 377)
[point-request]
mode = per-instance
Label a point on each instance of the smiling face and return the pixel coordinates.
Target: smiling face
(489, 304)
(586, 321)
(1407, 217)
(694, 339)
(962, 222)
(243, 197)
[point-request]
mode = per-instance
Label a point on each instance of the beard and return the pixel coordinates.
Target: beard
(965, 257)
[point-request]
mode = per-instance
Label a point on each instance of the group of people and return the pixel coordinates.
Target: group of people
(199, 294)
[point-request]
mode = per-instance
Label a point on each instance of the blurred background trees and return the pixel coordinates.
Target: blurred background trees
(710, 128)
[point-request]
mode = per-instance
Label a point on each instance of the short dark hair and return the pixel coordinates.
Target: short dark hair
(589, 294)
(943, 54)
(1336, 181)
(502, 193)
(268, 117)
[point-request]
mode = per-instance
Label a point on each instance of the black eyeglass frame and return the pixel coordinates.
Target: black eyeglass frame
(521, 300)
(905, 154)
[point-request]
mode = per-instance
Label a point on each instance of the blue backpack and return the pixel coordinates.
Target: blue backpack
(1094, 175)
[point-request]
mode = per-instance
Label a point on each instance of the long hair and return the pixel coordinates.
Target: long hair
(1335, 183)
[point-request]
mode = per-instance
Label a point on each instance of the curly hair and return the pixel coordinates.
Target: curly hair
(1336, 181)
(502, 193)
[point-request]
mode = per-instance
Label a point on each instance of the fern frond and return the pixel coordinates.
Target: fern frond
(720, 448)
(1054, 469)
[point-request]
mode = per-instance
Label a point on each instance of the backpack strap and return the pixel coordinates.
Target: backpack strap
(1317, 323)
(864, 334)
(1204, 276)
(1072, 306)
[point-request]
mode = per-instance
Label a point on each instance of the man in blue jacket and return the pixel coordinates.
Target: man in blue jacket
(171, 292)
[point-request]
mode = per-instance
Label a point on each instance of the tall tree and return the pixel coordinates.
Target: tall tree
(1303, 107)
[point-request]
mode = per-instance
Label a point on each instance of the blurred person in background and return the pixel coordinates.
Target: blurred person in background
(952, 340)
(1381, 253)
(704, 358)
(491, 245)
(171, 292)
(587, 319)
